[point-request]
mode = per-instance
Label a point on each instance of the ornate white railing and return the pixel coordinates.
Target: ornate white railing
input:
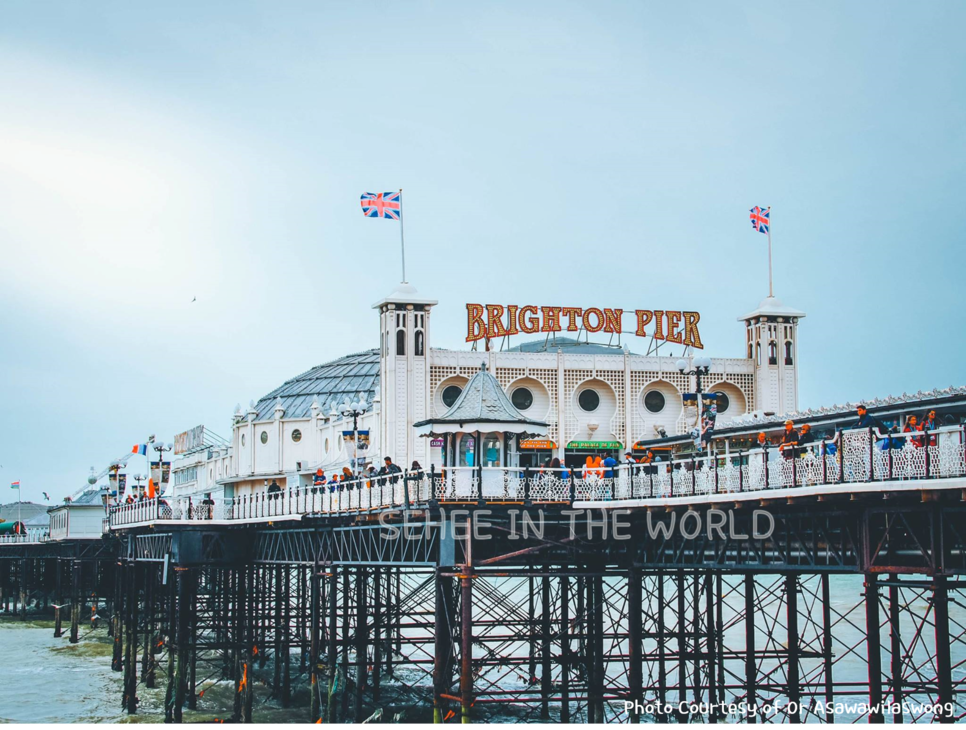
(31, 536)
(364, 494)
(159, 508)
(851, 457)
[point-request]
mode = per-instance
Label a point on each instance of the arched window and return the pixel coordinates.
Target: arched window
(788, 352)
(400, 342)
(772, 353)
(751, 351)
(419, 343)
(758, 355)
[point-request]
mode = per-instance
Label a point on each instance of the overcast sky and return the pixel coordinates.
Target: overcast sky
(583, 154)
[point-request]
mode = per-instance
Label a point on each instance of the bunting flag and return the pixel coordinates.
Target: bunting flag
(141, 449)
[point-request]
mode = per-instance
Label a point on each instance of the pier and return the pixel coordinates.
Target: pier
(522, 592)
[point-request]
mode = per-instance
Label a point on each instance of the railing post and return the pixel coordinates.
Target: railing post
(741, 474)
(839, 449)
(432, 481)
(650, 479)
(717, 488)
(526, 484)
(794, 468)
(925, 444)
(889, 476)
(822, 451)
(764, 456)
(406, 501)
(573, 487)
(694, 475)
(670, 464)
(871, 456)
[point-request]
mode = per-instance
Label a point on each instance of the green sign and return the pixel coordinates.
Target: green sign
(595, 445)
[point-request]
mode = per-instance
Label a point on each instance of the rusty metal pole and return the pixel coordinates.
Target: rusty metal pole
(332, 645)
(378, 609)
(546, 659)
(75, 600)
(751, 665)
(873, 646)
(117, 655)
(147, 657)
(466, 628)
(791, 604)
(635, 683)
(315, 617)
(59, 598)
(130, 654)
(944, 673)
(362, 639)
(565, 647)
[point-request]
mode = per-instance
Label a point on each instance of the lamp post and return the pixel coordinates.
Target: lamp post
(139, 478)
(701, 366)
(161, 448)
(355, 409)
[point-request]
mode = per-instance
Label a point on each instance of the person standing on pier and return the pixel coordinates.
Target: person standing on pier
(866, 419)
(390, 470)
(789, 441)
(929, 424)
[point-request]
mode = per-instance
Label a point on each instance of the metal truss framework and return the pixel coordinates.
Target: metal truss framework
(844, 612)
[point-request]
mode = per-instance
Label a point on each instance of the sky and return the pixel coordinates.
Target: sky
(581, 154)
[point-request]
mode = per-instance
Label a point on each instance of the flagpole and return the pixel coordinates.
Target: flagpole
(771, 292)
(402, 237)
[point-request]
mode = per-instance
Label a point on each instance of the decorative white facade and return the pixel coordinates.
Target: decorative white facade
(595, 398)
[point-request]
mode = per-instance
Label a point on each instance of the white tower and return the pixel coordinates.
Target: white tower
(772, 343)
(404, 373)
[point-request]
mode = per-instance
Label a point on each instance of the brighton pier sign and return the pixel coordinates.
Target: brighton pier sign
(491, 321)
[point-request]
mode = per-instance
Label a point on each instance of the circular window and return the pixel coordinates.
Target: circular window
(589, 400)
(296, 435)
(723, 402)
(264, 437)
(243, 439)
(327, 446)
(654, 401)
(522, 398)
(450, 394)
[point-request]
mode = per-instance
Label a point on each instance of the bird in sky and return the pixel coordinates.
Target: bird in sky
(194, 299)
(46, 496)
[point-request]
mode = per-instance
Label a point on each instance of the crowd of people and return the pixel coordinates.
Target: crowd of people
(370, 477)
(794, 442)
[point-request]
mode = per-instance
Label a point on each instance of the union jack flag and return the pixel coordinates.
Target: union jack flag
(760, 219)
(382, 205)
